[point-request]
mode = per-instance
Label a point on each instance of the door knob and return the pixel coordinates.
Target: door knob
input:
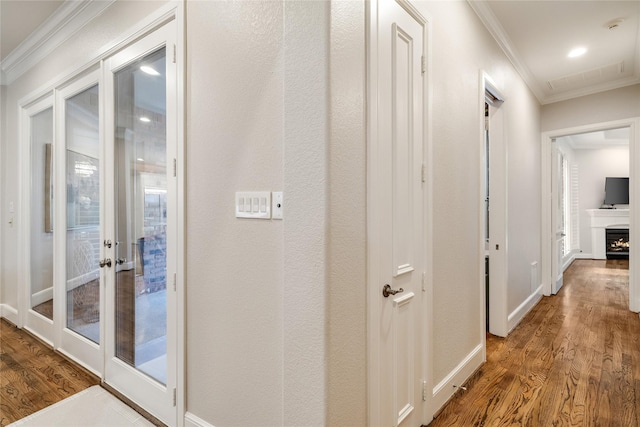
(386, 291)
(106, 261)
(121, 261)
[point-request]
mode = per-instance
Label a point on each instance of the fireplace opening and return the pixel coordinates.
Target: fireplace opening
(617, 240)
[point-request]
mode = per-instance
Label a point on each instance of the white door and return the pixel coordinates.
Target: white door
(399, 205)
(141, 223)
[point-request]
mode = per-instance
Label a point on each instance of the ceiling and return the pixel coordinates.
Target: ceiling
(535, 35)
(538, 35)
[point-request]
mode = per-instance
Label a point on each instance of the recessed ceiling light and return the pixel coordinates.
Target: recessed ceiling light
(145, 119)
(578, 51)
(149, 70)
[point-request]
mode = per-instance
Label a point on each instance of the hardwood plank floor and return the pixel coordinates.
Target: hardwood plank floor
(33, 376)
(573, 361)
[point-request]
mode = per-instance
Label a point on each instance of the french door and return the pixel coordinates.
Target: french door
(100, 260)
(78, 222)
(140, 223)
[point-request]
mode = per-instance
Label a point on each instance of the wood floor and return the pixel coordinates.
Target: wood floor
(573, 361)
(33, 376)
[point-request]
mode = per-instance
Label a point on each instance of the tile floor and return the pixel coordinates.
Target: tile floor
(91, 407)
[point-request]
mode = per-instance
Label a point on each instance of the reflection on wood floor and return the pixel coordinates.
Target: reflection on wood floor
(573, 361)
(33, 376)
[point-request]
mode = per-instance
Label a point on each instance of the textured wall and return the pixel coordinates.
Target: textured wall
(234, 267)
(347, 262)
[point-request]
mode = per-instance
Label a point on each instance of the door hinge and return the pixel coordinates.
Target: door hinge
(175, 399)
(424, 173)
(424, 391)
(423, 64)
(174, 53)
(175, 167)
(174, 282)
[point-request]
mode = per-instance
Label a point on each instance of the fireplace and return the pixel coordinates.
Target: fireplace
(617, 241)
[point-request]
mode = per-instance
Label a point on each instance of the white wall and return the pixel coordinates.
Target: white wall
(602, 107)
(461, 47)
(287, 345)
(593, 167)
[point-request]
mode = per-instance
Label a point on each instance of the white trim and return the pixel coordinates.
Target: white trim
(518, 314)
(443, 391)
(373, 217)
(548, 235)
(181, 189)
(497, 31)
(191, 420)
(9, 313)
(42, 296)
(66, 21)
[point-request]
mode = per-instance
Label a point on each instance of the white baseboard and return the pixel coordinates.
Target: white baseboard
(584, 256)
(42, 296)
(191, 420)
(9, 313)
(443, 391)
(519, 313)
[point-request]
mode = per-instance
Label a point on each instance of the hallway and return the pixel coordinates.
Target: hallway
(573, 361)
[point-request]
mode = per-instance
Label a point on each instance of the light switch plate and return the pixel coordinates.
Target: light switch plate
(253, 204)
(277, 205)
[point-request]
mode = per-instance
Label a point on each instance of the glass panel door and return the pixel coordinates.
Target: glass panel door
(37, 251)
(141, 145)
(41, 247)
(141, 215)
(79, 222)
(83, 214)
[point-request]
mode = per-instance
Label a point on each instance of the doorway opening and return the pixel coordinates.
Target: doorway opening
(493, 179)
(577, 214)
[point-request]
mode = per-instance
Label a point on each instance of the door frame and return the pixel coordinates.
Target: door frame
(373, 217)
(498, 312)
(549, 234)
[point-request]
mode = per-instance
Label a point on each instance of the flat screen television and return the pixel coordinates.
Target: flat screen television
(616, 191)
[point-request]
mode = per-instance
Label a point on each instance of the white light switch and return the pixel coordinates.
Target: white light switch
(253, 204)
(277, 208)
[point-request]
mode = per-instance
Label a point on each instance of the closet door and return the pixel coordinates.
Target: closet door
(141, 145)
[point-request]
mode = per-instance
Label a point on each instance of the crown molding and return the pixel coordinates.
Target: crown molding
(67, 20)
(497, 31)
(591, 90)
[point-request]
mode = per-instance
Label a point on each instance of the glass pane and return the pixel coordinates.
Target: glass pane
(41, 213)
(83, 214)
(141, 215)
